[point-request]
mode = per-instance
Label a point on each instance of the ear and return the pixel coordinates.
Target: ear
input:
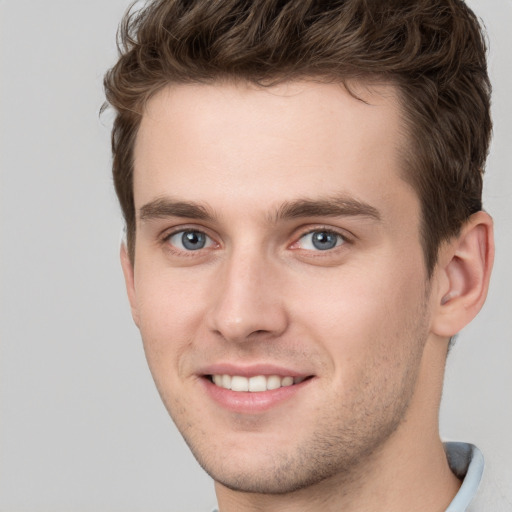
(128, 272)
(463, 273)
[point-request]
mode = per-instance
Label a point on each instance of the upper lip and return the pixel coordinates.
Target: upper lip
(252, 370)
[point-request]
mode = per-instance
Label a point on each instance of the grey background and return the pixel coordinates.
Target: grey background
(81, 425)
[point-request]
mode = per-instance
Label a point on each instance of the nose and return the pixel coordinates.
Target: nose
(247, 303)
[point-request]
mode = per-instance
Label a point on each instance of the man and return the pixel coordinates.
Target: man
(301, 183)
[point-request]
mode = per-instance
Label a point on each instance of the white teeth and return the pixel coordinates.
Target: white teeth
(287, 381)
(254, 384)
(226, 382)
(273, 382)
(239, 383)
(258, 383)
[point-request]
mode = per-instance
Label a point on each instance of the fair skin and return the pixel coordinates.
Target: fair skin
(277, 241)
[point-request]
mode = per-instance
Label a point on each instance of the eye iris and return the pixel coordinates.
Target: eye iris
(324, 240)
(193, 240)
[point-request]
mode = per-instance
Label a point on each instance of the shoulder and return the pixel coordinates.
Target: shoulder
(494, 493)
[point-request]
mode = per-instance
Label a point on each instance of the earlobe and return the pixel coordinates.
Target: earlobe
(463, 275)
(129, 280)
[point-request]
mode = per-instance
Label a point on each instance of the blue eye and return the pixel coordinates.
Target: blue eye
(321, 240)
(190, 240)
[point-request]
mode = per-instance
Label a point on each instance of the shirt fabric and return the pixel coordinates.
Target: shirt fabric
(467, 463)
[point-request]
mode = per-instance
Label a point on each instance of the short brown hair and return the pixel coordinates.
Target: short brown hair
(433, 50)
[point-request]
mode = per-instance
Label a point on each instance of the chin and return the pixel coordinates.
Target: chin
(263, 468)
(272, 478)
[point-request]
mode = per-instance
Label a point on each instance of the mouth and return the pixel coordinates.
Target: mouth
(253, 389)
(256, 383)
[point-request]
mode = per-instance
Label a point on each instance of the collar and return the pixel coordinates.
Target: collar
(467, 463)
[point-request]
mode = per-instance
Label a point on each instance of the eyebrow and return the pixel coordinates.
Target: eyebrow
(337, 206)
(166, 207)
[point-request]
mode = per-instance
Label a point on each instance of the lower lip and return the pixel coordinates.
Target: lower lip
(252, 402)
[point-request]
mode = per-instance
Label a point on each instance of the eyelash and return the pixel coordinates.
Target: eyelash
(342, 239)
(167, 237)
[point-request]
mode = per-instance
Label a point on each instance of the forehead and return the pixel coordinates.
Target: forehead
(240, 144)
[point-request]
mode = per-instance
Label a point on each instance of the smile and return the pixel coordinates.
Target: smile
(256, 384)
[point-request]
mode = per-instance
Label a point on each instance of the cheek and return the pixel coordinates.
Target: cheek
(170, 308)
(365, 317)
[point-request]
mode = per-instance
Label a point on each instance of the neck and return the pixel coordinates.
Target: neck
(408, 472)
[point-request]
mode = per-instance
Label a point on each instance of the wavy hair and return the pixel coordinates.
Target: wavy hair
(433, 51)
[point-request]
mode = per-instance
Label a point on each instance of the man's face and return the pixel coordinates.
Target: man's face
(277, 244)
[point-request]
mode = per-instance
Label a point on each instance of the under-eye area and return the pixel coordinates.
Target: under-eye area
(257, 383)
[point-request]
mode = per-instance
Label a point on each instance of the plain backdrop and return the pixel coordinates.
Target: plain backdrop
(81, 425)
